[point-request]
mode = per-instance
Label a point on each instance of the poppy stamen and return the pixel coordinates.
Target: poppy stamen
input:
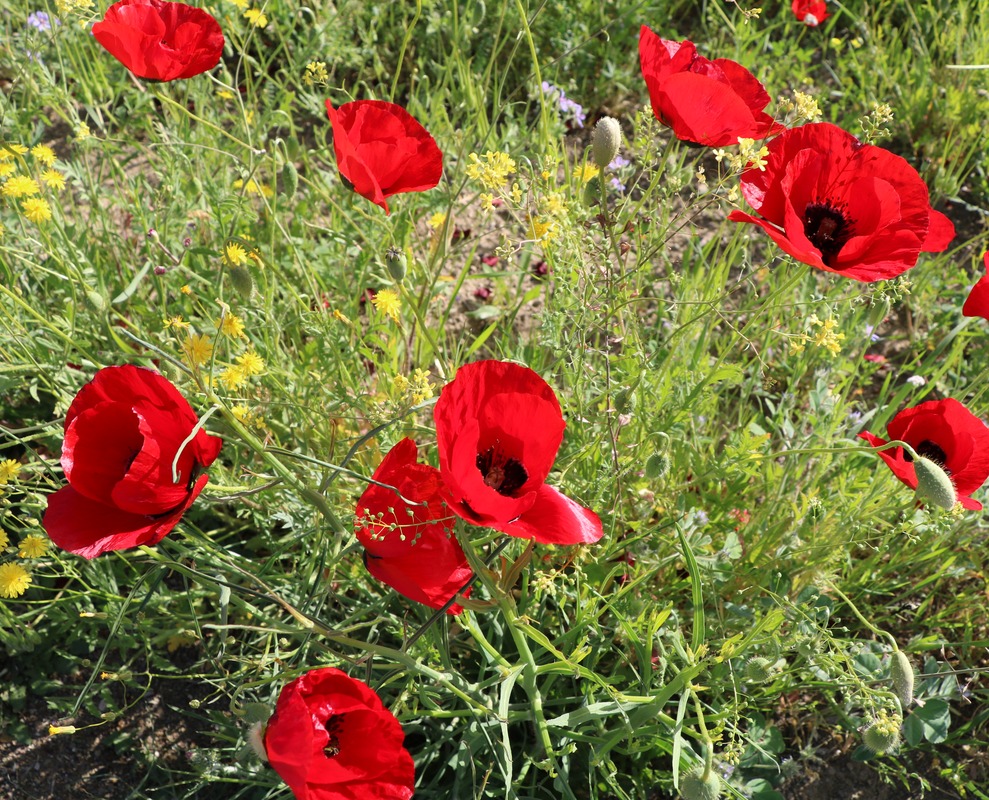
(333, 727)
(827, 228)
(505, 475)
(930, 450)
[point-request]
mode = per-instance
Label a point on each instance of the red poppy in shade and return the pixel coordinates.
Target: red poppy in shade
(707, 102)
(382, 150)
(498, 426)
(977, 302)
(948, 434)
(411, 546)
(331, 738)
(159, 40)
(843, 206)
(810, 12)
(122, 433)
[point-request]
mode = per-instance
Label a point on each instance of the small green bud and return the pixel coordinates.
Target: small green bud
(605, 141)
(96, 300)
(290, 179)
(397, 264)
(759, 669)
(696, 786)
(625, 400)
(901, 671)
(883, 735)
(933, 484)
(657, 466)
(242, 281)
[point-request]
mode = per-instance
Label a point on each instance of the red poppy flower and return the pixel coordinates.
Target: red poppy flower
(122, 433)
(842, 206)
(159, 40)
(499, 426)
(707, 102)
(412, 548)
(331, 738)
(382, 150)
(945, 432)
(810, 12)
(977, 302)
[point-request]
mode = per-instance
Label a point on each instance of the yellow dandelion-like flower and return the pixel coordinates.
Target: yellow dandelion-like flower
(14, 580)
(20, 186)
(4, 539)
(33, 546)
(234, 377)
(339, 316)
(437, 221)
(44, 154)
(251, 362)
(186, 289)
(388, 303)
(256, 17)
(7, 168)
(231, 325)
(176, 323)
(316, 74)
(253, 187)
(234, 254)
(53, 179)
(542, 229)
(9, 470)
(10, 149)
(37, 209)
(586, 172)
(241, 4)
(198, 349)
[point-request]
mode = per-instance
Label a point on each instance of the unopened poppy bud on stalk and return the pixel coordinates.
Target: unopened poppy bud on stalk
(396, 262)
(605, 141)
(698, 786)
(242, 281)
(902, 674)
(933, 484)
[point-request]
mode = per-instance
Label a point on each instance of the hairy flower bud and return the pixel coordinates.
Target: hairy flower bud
(883, 735)
(657, 466)
(242, 281)
(760, 669)
(933, 484)
(902, 674)
(397, 264)
(697, 786)
(605, 141)
(290, 179)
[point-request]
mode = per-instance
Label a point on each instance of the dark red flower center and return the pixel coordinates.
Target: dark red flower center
(827, 228)
(504, 474)
(932, 451)
(334, 725)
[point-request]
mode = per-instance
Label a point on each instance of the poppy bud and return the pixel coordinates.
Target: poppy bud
(397, 264)
(290, 179)
(605, 141)
(625, 400)
(657, 466)
(901, 671)
(883, 735)
(933, 484)
(242, 281)
(698, 786)
(760, 669)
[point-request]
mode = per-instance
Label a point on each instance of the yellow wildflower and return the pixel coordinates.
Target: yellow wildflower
(197, 348)
(10, 149)
(251, 362)
(4, 539)
(554, 205)
(9, 470)
(437, 221)
(14, 580)
(6, 168)
(82, 131)
(233, 378)
(53, 179)
(65, 6)
(55, 730)
(253, 187)
(36, 209)
(44, 154)
(316, 74)
(231, 325)
(541, 229)
(241, 4)
(20, 186)
(33, 546)
(388, 303)
(826, 337)
(186, 289)
(807, 107)
(256, 17)
(487, 201)
(234, 254)
(339, 316)
(516, 193)
(585, 173)
(176, 322)
(493, 171)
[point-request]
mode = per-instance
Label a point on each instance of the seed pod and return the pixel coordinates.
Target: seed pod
(695, 786)
(759, 669)
(883, 735)
(657, 466)
(242, 281)
(933, 484)
(605, 141)
(397, 264)
(290, 179)
(901, 671)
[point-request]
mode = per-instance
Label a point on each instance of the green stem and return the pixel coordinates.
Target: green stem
(863, 620)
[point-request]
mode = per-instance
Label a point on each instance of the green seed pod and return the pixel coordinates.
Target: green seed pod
(883, 735)
(605, 141)
(397, 263)
(625, 400)
(695, 786)
(242, 281)
(901, 671)
(933, 484)
(290, 179)
(657, 466)
(759, 669)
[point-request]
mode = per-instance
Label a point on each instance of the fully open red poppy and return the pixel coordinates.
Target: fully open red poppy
(707, 102)
(945, 432)
(810, 12)
(977, 302)
(411, 547)
(122, 433)
(498, 426)
(159, 40)
(382, 150)
(331, 738)
(843, 206)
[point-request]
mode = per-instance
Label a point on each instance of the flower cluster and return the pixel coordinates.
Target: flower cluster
(26, 174)
(15, 578)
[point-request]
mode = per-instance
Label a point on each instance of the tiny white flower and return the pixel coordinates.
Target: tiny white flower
(916, 380)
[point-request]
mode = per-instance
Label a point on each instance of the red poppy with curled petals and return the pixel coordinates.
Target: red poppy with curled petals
(499, 426)
(707, 102)
(977, 302)
(331, 738)
(843, 206)
(945, 432)
(810, 12)
(382, 150)
(159, 40)
(411, 547)
(122, 433)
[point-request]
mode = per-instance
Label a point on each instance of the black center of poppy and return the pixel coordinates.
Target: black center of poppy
(333, 727)
(827, 228)
(505, 475)
(932, 451)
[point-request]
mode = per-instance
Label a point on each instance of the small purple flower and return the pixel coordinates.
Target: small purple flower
(618, 162)
(39, 20)
(617, 185)
(567, 106)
